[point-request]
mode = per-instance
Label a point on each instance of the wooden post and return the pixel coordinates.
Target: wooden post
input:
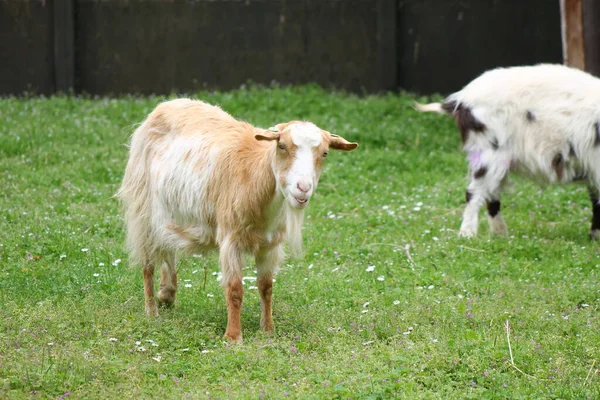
(591, 36)
(386, 51)
(571, 12)
(64, 46)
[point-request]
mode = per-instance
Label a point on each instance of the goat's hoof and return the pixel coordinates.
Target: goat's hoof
(595, 234)
(497, 226)
(152, 310)
(467, 233)
(234, 339)
(166, 298)
(499, 230)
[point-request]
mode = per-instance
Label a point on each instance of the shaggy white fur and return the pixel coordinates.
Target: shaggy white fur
(540, 121)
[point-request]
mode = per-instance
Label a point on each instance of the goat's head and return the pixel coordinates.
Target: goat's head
(301, 148)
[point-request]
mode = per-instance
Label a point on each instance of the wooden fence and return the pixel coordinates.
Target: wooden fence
(110, 47)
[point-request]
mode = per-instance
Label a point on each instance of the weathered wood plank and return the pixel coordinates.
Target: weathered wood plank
(572, 33)
(591, 35)
(64, 50)
(386, 44)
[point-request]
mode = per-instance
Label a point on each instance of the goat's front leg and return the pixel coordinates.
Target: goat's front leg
(495, 220)
(488, 172)
(267, 263)
(470, 220)
(230, 258)
(594, 197)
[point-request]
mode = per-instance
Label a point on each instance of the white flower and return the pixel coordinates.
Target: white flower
(435, 238)
(381, 278)
(430, 287)
(101, 264)
(416, 208)
(366, 304)
(310, 266)
(96, 274)
(249, 278)
(205, 351)
(396, 302)
(63, 256)
(116, 262)
(85, 250)
(252, 287)
(113, 339)
(157, 358)
(210, 295)
(195, 271)
(370, 268)
(188, 285)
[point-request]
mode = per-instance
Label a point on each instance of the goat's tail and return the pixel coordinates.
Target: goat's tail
(135, 196)
(431, 107)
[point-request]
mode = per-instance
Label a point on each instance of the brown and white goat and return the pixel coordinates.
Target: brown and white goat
(541, 121)
(198, 179)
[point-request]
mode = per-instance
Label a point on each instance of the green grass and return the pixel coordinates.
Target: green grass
(427, 322)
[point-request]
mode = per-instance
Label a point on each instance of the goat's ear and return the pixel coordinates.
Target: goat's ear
(339, 143)
(268, 134)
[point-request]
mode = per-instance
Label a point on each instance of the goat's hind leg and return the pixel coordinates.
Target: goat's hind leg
(594, 197)
(150, 302)
(495, 220)
(168, 280)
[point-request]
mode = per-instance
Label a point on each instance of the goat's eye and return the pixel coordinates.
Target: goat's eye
(325, 154)
(281, 146)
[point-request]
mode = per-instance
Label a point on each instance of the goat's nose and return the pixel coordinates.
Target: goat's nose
(304, 185)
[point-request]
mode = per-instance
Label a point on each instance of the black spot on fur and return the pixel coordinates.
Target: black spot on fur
(465, 120)
(597, 129)
(468, 195)
(558, 163)
(493, 208)
(494, 143)
(530, 116)
(480, 173)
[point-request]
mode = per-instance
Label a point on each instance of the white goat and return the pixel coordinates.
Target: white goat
(540, 121)
(198, 179)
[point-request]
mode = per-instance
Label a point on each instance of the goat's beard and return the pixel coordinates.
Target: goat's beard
(294, 219)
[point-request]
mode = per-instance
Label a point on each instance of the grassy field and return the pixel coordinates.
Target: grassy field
(387, 302)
